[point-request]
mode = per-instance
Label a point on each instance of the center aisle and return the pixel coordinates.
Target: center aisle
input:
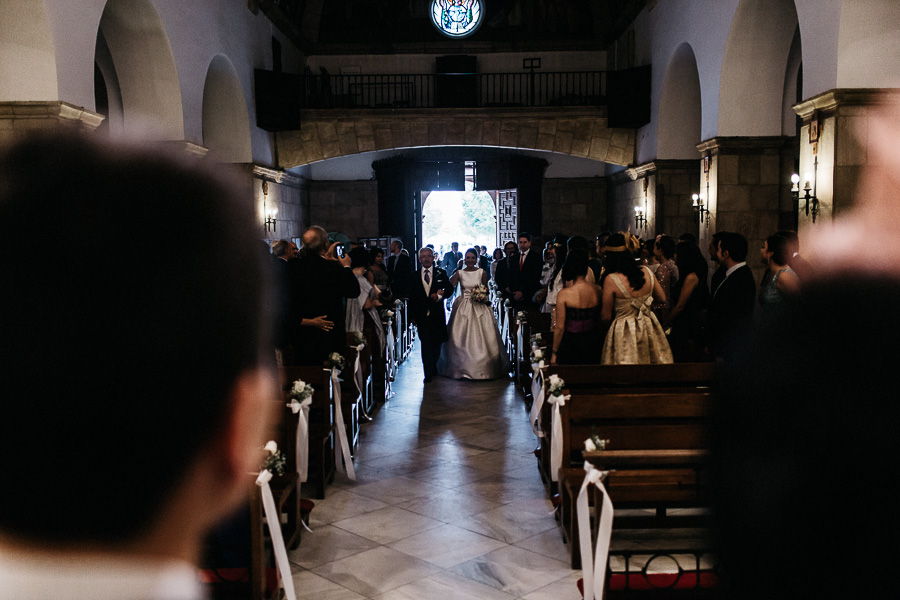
(448, 504)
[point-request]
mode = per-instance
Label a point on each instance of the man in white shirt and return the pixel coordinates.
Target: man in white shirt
(137, 398)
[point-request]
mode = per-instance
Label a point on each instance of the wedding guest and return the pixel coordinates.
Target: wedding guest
(399, 268)
(549, 257)
(688, 316)
(484, 261)
(648, 255)
(733, 300)
(719, 274)
(363, 310)
(320, 281)
(504, 272)
(556, 282)
(579, 245)
(666, 273)
(799, 264)
(161, 404)
(576, 333)
(378, 271)
(782, 282)
(283, 251)
(525, 275)
(450, 263)
(497, 257)
(635, 336)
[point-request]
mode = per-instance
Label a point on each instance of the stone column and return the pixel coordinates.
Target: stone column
(833, 149)
(743, 182)
(661, 188)
(283, 191)
(20, 118)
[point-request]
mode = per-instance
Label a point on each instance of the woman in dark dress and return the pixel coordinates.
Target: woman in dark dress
(688, 317)
(576, 335)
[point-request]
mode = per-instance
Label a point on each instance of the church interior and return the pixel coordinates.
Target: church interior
(565, 118)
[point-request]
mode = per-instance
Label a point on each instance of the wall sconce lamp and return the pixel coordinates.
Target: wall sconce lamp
(701, 213)
(269, 212)
(809, 194)
(640, 218)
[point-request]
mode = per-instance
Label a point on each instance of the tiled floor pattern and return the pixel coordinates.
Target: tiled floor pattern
(447, 504)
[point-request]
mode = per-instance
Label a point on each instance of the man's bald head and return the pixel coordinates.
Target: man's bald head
(315, 240)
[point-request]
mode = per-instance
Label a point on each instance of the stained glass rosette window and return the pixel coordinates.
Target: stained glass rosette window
(457, 18)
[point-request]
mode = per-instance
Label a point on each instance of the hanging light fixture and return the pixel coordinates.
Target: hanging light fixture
(269, 212)
(701, 213)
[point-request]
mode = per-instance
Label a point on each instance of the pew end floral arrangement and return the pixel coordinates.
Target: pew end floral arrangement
(335, 361)
(275, 460)
(595, 443)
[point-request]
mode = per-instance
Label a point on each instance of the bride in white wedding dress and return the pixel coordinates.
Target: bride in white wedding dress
(474, 349)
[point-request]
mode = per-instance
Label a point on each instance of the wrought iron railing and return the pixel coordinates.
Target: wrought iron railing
(577, 88)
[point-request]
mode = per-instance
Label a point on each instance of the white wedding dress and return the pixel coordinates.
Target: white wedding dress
(474, 349)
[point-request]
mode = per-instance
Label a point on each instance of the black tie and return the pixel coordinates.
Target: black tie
(427, 277)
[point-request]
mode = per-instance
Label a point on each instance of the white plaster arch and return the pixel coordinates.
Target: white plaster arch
(27, 53)
(751, 85)
(226, 120)
(792, 85)
(145, 67)
(680, 108)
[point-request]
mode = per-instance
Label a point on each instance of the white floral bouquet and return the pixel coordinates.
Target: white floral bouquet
(335, 361)
(274, 459)
(537, 356)
(398, 302)
(537, 341)
(479, 294)
(594, 443)
(300, 392)
(521, 316)
(555, 385)
(357, 338)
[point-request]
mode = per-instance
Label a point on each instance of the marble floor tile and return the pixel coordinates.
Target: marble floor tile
(499, 489)
(342, 504)
(444, 586)
(564, 589)
(310, 586)
(327, 544)
(448, 451)
(449, 505)
(549, 543)
(376, 571)
(450, 475)
(507, 524)
(513, 570)
(396, 489)
(446, 546)
(387, 524)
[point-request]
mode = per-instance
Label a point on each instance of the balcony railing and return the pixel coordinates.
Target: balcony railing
(579, 88)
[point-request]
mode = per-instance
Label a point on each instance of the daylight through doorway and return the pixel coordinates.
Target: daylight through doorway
(469, 218)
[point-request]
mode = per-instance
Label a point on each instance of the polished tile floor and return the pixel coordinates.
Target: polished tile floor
(447, 504)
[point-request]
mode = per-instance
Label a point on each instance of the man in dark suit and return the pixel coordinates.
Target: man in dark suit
(320, 280)
(451, 259)
(733, 300)
(503, 273)
(427, 290)
(484, 261)
(283, 251)
(525, 275)
(399, 268)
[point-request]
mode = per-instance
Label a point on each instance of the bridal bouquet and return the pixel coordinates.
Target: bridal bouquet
(479, 294)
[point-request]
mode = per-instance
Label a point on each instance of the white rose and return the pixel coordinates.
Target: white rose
(539, 354)
(272, 447)
(589, 445)
(554, 380)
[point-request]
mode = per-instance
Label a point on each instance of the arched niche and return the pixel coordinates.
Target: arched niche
(107, 92)
(680, 110)
(751, 86)
(793, 87)
(27, 54)
(145, 70)
(226, 124)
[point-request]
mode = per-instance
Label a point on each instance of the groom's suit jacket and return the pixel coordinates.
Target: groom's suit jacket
(427, 314)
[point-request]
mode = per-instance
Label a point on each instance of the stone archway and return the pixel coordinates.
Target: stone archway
(577, 132)
(226, 125)
(752, 79)
(680, 111)
(145, 70)
(27, 54)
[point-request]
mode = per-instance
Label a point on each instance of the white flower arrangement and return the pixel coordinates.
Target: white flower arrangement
(388, 313)
(594, 443)
(275, 460)
(537, 357)
(537, 340)
(398, 302)
(357, 339)
(301, 391)
(335, 361)
(555, 385)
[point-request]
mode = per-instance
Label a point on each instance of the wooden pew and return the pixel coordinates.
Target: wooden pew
(322, 434)
(656, 418)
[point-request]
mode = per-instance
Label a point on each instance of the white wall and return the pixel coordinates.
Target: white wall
(869, 44)
(196, 32)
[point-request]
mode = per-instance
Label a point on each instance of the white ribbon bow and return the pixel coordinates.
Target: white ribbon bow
(343, 458)
(301, 445)
(537, 393)
(556, 442)
(357, 371)
(274, 524)
(389, 367)
(593, 561)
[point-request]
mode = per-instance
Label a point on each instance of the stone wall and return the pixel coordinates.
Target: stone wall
(350, 207)
(575, 206)
(582, 132)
